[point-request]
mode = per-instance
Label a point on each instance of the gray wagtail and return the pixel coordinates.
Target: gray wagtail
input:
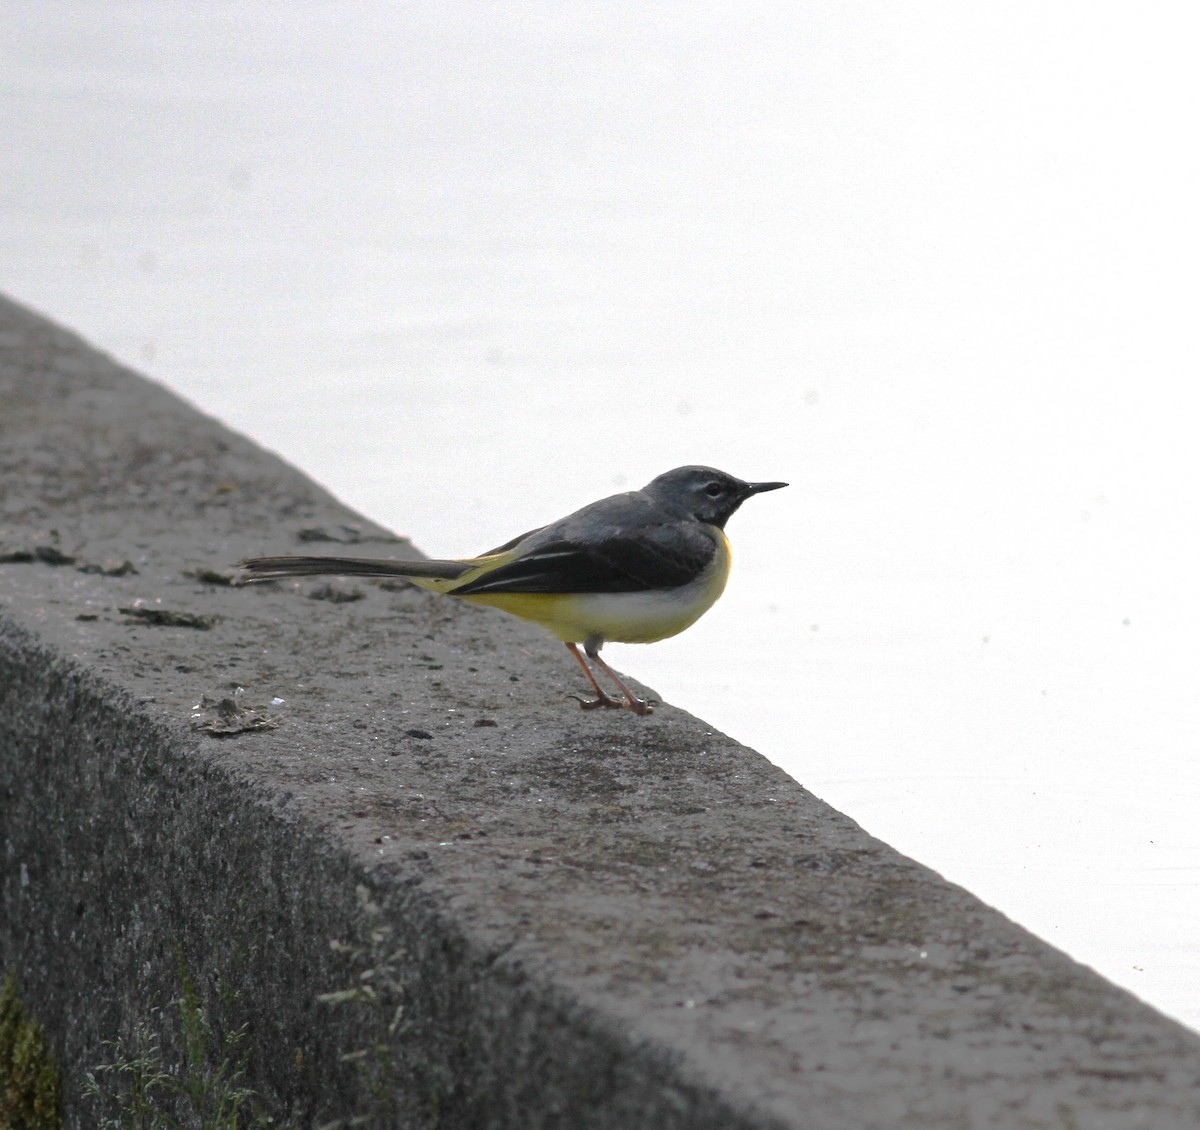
(633, 568)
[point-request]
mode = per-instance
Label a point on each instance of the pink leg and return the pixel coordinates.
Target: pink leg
(602, 697)
(631, 701)
(637, 705)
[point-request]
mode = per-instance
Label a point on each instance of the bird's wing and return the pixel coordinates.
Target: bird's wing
(512, 543)
(652, 557)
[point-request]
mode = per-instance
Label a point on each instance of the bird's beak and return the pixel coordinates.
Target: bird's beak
(758, 488)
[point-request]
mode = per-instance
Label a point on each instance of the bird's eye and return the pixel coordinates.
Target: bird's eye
(714, 490)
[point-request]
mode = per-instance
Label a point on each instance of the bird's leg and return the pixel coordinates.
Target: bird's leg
(637, 705)
(602, 697)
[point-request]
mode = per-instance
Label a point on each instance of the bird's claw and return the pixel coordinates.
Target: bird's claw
(597, 702)
(638, 706)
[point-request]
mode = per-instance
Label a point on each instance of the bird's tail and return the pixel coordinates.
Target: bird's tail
(277, 568)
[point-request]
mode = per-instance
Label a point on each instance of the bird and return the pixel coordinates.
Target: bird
(636, 567)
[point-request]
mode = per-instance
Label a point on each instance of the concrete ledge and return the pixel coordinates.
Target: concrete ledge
(606, 921)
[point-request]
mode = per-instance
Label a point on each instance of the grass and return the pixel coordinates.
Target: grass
(136, 1090)
(143, 1087)
(377, 994)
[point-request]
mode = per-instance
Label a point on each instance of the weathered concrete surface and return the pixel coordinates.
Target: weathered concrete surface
(607, 921)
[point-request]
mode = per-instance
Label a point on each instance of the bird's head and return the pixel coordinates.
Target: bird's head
(704, 492)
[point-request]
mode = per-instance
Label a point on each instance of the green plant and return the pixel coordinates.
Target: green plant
(30, 1078)
(378, 993)
(128, 1088)
(137, 1090)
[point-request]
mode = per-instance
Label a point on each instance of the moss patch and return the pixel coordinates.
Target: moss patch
(30, 1079)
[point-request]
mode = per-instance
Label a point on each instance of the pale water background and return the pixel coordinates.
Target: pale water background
(474, 264)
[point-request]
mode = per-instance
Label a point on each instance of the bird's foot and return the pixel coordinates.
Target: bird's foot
(637, 705)
(600, 700)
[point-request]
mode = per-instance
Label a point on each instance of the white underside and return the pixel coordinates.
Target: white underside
(641, 617)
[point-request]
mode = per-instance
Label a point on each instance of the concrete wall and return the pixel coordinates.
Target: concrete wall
(605, 921)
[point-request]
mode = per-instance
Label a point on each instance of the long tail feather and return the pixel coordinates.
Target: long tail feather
(276, 568)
